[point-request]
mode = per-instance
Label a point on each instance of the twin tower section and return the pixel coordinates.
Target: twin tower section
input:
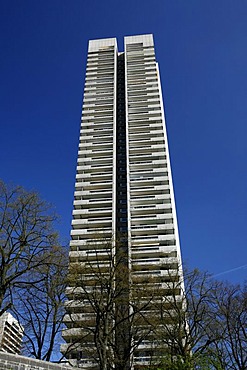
(123, 183)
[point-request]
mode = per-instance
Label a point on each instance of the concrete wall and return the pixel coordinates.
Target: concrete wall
(9, 361)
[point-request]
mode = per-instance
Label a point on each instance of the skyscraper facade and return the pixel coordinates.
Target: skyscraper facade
(123, 180)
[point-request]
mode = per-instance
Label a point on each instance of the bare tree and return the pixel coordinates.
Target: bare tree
(107, 306)
(26, 234)
(187, 320)
(40, 308)
(231, 325)
(202, 323)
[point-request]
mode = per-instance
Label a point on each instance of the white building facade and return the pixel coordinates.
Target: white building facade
(11, 333)
(123, 181)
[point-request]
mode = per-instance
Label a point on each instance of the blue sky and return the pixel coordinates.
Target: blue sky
(201, 47)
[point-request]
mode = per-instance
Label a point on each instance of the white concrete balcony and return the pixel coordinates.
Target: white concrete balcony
(152, 140)
(100, 255)
(84, 154)
(149, 126)
(102, 71)
(151, 164)
(98, 185)
(92, 177)
(88, 130)
(69, 347)
(92, 166)
(80, 176)
(106, 197)
(139, 167)
(106, 161)
(153, 104)
(88, 204)
(101, 104)
(153, 240)
(95, 229)
(144, 66)
(94, 193)
(150, 206)
(146, 145)
(99, 62)
(154, 206)
(87, 213)
(91, 122)
(92, 153)
(172, 274)
(92, 80)
(149, 180)
(139, 135)
(72, 304)
(137, 92)
(87, 145)
(149, 189)
(149, 235)
(141, 116)
(85, 228)
(100, 118)
(146, 156)
(95, 165)
(139, 230)
(77, 317)
(147, 263)
(94, 171)
(70, 333)
(97, 141)
(139, 147)
(149, 171)
(83, 243)
(158, 191)
(97, 111)
(146, 253)
(148, 184)
(75, 244)
(138, 178)
(90, 235)
(94, 204)
(97, 212)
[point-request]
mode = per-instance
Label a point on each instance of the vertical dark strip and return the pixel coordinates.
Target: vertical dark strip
(121, 186)
(122, 332)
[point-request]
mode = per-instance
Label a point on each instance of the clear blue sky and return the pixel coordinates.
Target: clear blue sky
(201, 47)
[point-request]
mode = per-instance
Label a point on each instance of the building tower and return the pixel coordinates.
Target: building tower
(123, 181)
(11, 333)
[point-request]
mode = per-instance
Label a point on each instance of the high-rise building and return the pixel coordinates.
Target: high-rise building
(11, 333)
(123, 183)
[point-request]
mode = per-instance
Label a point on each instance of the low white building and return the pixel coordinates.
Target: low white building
(11, 333)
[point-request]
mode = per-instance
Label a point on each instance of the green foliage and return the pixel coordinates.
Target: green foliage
(177, 363)
(193, 362)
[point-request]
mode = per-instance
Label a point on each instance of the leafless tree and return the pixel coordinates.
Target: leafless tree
(110, 307)
(40, 308)
(26, 235)
(187, 319)
(231, 325)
